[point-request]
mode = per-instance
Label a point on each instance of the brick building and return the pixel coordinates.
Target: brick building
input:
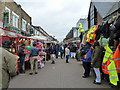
(15, 18)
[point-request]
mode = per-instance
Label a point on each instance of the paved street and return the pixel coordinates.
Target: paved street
(59, 75)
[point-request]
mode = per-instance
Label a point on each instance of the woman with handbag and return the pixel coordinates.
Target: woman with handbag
(85, 56)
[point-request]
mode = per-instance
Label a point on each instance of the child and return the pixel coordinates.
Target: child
(67, 53)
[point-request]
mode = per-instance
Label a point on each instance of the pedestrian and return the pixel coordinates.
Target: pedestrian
(34, 52)
(8, 64)
(67, 51)
(97, 61)
(52, 51)
(73, 51)
(85, 56)
(64, 49)
(61, 51)
(57, 50)
(21, 54)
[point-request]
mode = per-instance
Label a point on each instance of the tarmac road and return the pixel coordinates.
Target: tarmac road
(58, 75)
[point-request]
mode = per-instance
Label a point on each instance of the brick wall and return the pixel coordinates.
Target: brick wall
(99, 18)
(13, 6)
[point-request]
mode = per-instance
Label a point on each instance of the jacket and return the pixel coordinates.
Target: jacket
(105, 30)
(106, 60)
(8, 67)
(34, 52)
(89, 55)
(116, 58)
(97, 57)
(62, 49)
(52, 50)
(21, 52)
(113, 76)
(67, 51)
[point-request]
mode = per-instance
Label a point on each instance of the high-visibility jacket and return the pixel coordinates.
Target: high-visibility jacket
(116, 58)
(80, 28)
(113, 76)
(106, 60)
(91, 35)
(108, 66)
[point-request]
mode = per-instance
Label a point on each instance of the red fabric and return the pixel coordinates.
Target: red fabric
(105, 67)
(116, 58)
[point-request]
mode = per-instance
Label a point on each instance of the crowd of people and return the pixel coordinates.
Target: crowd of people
(92, 55)
(102, 61)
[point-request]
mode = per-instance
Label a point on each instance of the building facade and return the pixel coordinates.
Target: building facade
(15, 18)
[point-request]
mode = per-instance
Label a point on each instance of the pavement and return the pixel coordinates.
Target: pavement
(58, 75)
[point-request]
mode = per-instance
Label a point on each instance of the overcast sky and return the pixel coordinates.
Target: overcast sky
(56, 17)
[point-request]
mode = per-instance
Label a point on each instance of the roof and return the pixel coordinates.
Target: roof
(115, 7)
(103, 7)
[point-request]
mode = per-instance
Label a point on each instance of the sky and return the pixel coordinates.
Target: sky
(56, 17)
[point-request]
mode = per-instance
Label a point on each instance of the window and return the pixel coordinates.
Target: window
(28, 27)
(7, 16)
(15, 19)
(23, 25)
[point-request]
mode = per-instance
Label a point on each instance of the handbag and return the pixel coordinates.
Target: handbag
(85, 56)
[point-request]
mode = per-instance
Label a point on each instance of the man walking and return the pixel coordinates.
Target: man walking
(52, 53)
(21, 54)
(57, 50)
(61, 51)
(34, 58)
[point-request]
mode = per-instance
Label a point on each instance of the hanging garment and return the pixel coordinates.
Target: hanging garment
(116, 58)
(106, 60)
(117, 24)
(105, 29)
(113, 76)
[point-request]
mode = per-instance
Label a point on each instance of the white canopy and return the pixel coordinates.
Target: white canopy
(39, 37)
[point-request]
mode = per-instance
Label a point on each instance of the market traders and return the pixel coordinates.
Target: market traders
(34, 58)
(21, 54)
(8, 64)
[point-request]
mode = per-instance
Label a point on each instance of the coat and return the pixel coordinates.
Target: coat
(97, 57)
(52, 50)
(9, 67)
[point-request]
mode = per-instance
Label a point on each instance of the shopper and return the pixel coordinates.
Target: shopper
(85, 56)
(97, 61)
(67, 51)
(61, 51)
(34, 58)
(8, 65)
(57, 50)
(73, 51)
(21, 54)
(52, 51)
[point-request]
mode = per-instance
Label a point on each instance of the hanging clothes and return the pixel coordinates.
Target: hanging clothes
(116, 58)
(108, 66)
(113, 76)
(105, 29)
(91, 35)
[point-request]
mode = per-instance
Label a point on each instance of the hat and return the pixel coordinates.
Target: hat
(6, 43)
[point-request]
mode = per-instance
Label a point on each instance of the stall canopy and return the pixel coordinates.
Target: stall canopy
(39, 37)
(6, 32)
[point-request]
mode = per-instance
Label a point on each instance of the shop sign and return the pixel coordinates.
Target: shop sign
(13, 29)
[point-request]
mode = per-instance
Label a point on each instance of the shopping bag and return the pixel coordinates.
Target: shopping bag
(70, 54)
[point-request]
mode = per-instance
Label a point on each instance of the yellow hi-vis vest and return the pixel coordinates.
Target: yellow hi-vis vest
(108, 54)
(80, 28)
(113, 76)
